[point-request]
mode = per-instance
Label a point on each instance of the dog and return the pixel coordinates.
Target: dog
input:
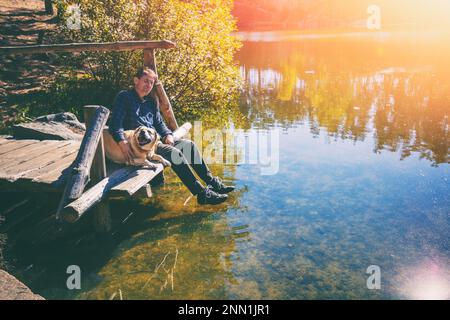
(142, 141)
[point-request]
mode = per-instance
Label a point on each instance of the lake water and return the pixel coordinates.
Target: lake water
(363, 180)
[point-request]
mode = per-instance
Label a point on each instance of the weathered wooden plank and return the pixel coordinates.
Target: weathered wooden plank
(49, 150)
(17, 144)
(20, 152)
(52, 173)
(59, 163)
(99, 46)
(17, 171)
(28, 152)
(135, 181)
(73, 211)
(4, 141)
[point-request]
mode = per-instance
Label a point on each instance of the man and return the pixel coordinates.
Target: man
(133, 108)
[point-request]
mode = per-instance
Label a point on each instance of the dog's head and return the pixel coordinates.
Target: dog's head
(146, 138)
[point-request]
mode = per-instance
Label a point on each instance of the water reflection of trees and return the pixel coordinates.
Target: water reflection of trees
(351, 91)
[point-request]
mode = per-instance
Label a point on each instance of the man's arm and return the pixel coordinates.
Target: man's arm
(116, 126)
(118, 115)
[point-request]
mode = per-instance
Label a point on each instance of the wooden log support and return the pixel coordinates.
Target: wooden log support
(79, 175)
(73, 211)
(150, 60)
(102, 214)
(166, 108)
(77, 47)
(144, 192)
(97, 117)
(164, 102)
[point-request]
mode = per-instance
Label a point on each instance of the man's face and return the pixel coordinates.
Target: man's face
(144, 84)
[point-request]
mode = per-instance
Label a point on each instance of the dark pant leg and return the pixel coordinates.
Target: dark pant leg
(194, 158)
(181, 166)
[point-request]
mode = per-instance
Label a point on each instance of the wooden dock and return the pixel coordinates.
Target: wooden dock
(43, 165)
(50, 166)
(35, 164)
(78, 169)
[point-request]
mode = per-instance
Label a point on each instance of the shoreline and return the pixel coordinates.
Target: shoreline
(294, 35)
(13, 289)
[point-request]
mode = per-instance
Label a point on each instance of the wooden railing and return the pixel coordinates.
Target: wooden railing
(99, 46)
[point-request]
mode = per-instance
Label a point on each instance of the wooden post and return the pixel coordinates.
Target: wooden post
(164, 102)
(48, 7)
(78, 177)
(102, 215)
(79, 47)
(76, 209)
(144, 192)
(123, 182)
(95, 121)
(149, 59)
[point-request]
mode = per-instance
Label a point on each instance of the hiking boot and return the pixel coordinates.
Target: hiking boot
(208, 196)
(219, 187)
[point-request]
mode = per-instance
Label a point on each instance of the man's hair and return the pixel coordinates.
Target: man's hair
(144, 70)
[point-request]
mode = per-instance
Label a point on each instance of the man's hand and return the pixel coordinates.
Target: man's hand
(169, 140)
(126, 151)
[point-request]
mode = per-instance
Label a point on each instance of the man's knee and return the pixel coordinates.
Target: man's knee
(164, 150)
(171, 153)
(184, 143)
(186, 147)
(177, 156)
